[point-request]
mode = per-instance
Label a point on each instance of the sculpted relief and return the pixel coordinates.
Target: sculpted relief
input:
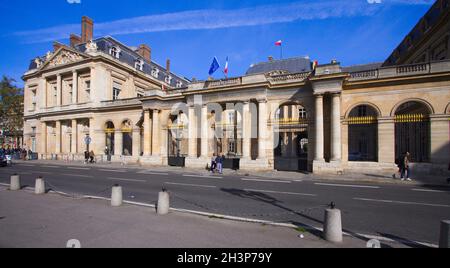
(64, 57)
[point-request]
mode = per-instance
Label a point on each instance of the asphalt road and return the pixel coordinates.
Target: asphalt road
(399, 212)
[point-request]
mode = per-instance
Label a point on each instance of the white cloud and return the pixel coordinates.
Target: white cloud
(74, 1)
(215, 19)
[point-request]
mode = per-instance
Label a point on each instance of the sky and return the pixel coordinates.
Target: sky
(192, 33)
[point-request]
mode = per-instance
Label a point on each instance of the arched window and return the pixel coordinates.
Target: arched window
(115, 52)
(363, 134)
(139, 64)
(127, 142)
(412, 131)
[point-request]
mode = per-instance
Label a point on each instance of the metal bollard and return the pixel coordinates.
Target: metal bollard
(39, 186)
(163, 203)
(15, 183)
(116, 196)
(332, 226)
(444, 241)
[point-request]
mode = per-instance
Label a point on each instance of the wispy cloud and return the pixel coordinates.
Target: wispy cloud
(215, 19)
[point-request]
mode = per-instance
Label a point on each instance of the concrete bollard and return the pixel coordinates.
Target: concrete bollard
(15, 183)
(332, 226)
(39, 186)
(444, 241)
(116, 196)
(163, 203)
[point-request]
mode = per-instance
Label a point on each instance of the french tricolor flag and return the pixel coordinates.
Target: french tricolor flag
(225, 70)
(279, 43)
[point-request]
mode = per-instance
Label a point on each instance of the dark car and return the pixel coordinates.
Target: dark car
(3, 162)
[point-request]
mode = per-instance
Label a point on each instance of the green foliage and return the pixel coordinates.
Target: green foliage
(11, 106)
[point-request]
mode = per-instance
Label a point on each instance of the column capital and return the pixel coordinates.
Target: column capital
(74, 71)
(335, 94)
(318, 95)
(262, 100)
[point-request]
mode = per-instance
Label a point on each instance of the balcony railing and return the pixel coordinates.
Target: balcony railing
(223, 82)
(66, 107)
(283, 78)
(120, 102)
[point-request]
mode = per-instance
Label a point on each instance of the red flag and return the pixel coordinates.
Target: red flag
(278, 43)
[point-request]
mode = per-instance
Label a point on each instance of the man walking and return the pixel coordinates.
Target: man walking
(219, 161)
(405, 167)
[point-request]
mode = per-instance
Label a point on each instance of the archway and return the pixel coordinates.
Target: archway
(291, 137)
(109, 137)
(177, 139)
(127, 138)
(363, 134)
(412, 131)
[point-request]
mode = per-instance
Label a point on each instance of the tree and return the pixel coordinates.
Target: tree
(11, 107)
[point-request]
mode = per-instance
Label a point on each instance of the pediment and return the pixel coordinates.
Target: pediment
(62, 56)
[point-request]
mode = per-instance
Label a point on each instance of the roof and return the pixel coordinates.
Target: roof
(127, 56)
(292, 65)
(361, 67)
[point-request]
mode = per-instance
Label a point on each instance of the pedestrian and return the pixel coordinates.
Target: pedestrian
(406, 171)
(91, 156)
(86, 157)
(213, 163)
(108, 154)
(219, 161)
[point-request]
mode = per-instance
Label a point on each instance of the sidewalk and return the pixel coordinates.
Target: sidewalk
(366, 177)
(28, 220)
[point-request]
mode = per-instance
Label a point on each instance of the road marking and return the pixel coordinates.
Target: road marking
(152, 173)
(347, 185)
(25, 165)
(123, 179)
(279, 181)
(202, 176)
(113, 170)
(50, 166)
(402, 202)
(275, 192)
(44, 172)
(77, 175)
(193, 185)
(427, 190)
(298, 180)
(80, 168)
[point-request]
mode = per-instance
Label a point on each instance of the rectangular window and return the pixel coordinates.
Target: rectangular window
(231, 118)
(87, 87)
(70, 92)
(116, 91)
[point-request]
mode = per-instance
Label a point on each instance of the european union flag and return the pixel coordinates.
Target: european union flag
(214, 66)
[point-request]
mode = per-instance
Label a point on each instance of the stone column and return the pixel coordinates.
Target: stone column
(74, 137)
(246, 131)
(262, 129)
(192, 147)
(58, 90)
(204, 130)
(439, 139)
(118, 141)
(43, 138)
(92, 135)
(147, 134)
(336, 146)
(58, 137)
(293, 140)
(319, 138)
(156, 129)
(75, 87)
(136, 142)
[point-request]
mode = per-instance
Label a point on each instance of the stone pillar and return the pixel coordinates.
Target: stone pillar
(439, 139)
(92, 136)
(262, 129)
(136, 142)
(156, 129)
(192, 147)
(386, 140)
(118, 140)
(73, 149)
(75, 87)
(336, 146)
(319, 138)
(204, 130)
(246, 131)
(147, 134)
(58, 90)
(43, 138)
(293, 144)
(58, 137)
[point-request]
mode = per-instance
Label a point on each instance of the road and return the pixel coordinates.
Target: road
(399, 212)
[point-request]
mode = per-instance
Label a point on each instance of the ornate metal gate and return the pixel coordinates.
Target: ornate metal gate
(412, 134)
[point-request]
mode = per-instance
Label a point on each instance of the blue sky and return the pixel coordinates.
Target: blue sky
(191, 33)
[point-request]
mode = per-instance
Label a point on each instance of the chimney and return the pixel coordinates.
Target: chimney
(145, 52)
(56, 46)
(74, 40)
(168, 65)
(87, 29)
(270, 58)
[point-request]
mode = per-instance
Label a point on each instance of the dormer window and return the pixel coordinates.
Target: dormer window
(155, 72)
(168, 79)
(179, 84)
(115, 52)
(139, 64)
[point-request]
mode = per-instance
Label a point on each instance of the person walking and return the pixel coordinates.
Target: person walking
(213, 164)
(219, 161)
(86, 157)
(406, 172)
(91, 157)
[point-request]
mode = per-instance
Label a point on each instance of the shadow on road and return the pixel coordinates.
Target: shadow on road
(403, 241)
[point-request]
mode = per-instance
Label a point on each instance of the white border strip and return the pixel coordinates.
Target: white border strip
(347, 185)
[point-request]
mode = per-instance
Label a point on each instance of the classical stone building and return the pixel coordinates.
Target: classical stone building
(282, 114)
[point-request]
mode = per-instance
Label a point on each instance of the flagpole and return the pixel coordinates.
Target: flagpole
(281, 51)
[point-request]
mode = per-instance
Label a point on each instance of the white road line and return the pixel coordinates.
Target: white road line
(78, 168)
(298, 180)
(77, 175)
(123, 179)
(275, 192)
(427, 190)
(193, 185)
(347, 185)
(113, 170)
(402, 202)
(279, 181)
(152, 173)
(50, 166)
(202, 177)
(27, 165)
(44, 172)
